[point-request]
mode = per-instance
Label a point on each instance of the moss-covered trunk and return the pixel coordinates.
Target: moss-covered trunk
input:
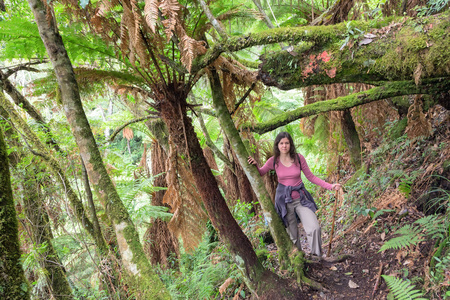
(143, 280)
(181, 131)
(395, 50)
(275, 225)
(54, 165)
(12, 284)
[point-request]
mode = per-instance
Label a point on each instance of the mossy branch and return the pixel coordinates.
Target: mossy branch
(388, 90)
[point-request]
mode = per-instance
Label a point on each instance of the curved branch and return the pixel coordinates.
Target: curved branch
(388, 90)
(119, 129)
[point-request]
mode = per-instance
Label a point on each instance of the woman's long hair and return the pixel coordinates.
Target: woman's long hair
(292, 150)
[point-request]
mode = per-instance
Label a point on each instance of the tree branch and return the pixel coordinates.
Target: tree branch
(388, 90)
(236, 106)
(119, 129)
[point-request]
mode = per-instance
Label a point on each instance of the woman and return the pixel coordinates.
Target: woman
(292, 200)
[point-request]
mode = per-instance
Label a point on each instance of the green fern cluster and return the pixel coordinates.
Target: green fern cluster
(401, 289)
(432, 226)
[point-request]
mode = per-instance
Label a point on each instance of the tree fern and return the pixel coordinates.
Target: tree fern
(401, 289)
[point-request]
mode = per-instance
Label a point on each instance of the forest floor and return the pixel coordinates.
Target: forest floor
(358, 276)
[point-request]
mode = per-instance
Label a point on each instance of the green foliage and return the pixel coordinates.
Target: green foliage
(20, 39)
(372, 212)
(201, 273)
(353, 33)
(432, 7)
(409, 235)
(31, 263)
(402, 289)
(438, 197)
(432, 226)
(135, 196)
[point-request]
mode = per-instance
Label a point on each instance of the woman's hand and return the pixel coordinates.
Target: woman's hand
(336, 186)
(251, 161)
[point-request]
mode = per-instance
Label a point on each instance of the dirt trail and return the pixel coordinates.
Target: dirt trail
(356, 276)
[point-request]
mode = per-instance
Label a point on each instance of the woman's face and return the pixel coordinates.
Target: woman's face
(284, 146)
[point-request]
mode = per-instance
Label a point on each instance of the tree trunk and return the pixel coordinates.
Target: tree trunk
(75, 203)
(13, 284)
(260, 281)
(143, 279)
(54, 165)
(275, 225)
(38, 223)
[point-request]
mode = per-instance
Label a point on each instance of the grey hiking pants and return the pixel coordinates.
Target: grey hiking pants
(310, 224)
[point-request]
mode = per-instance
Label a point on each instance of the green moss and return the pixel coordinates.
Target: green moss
(398, 129)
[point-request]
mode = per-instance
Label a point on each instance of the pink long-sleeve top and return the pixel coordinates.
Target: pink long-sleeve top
(291, 176)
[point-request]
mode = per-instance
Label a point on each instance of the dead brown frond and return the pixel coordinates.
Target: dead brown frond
(370, 119)
(418, 125)
(142, 169)
(418, 74)
(240, 74)
(190, 49)
(124, 35)
(189, 218)
(159, 242)
(128, 133)
(151, 12)
(390, 199)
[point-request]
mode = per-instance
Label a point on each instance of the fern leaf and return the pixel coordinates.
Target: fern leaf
(151, 13)
(408, 236)
(401, 289)
(434, 226)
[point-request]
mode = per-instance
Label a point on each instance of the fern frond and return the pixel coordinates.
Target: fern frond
(434, 226)
(401, 289)
(124, 37)
(408, 236)
(151, 13)
(189, 218)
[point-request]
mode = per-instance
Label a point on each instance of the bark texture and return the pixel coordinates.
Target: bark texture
(12, 279)
(145, 283)
(351, 138)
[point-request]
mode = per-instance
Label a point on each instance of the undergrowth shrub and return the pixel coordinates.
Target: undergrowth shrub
(204, 270)
(201, 272)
